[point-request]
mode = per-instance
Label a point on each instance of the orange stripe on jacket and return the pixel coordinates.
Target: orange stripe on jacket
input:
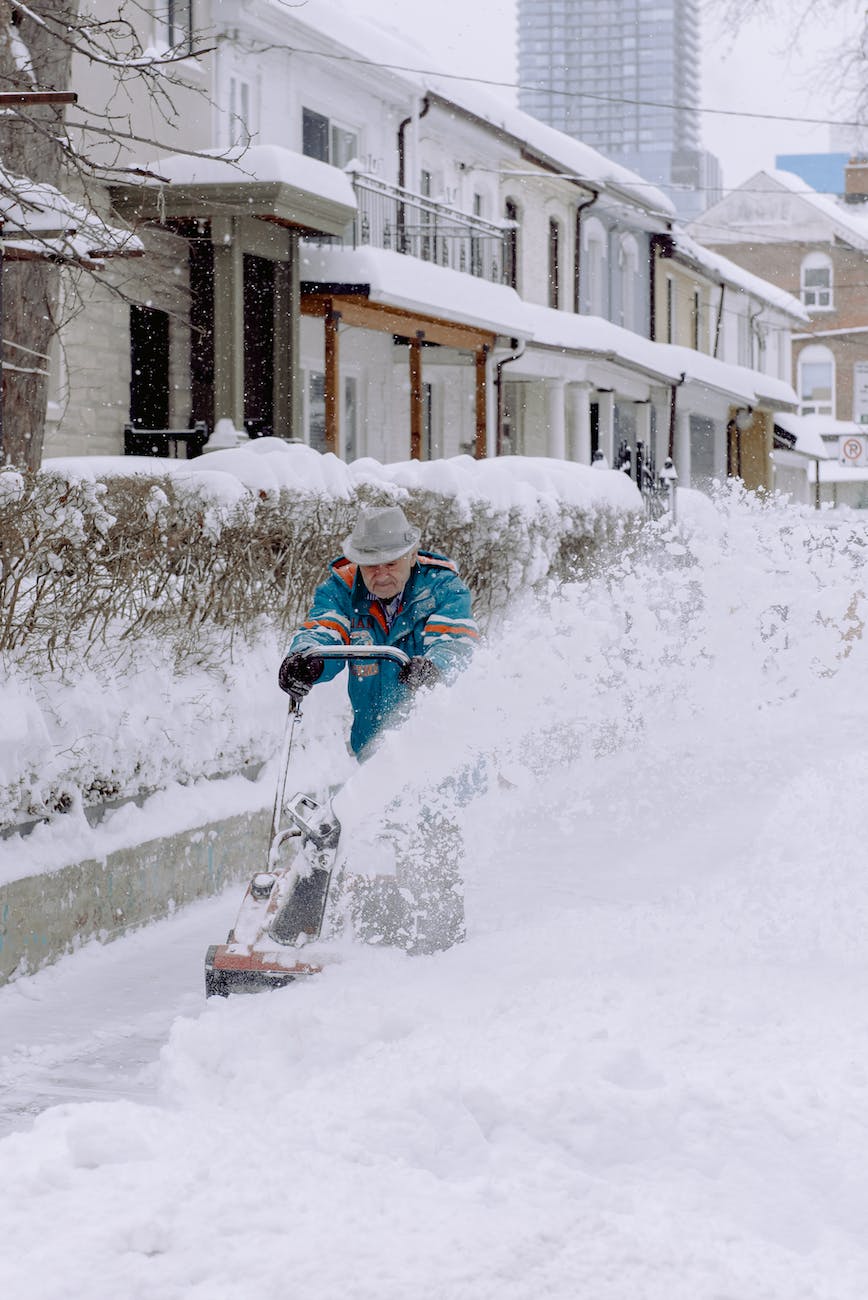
(451, 629)
(442, 564)
(329, 623)
(377, 613)
(346, 571)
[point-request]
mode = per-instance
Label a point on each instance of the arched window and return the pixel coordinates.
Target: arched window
(817, 282)
(594, 269)
(628, 260)
(816, 381)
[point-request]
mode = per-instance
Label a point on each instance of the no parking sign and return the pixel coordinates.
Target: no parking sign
(853, 449)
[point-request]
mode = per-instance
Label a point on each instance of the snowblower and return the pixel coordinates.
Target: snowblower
(285, 904)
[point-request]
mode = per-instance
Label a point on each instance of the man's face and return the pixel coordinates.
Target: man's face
(385, 580)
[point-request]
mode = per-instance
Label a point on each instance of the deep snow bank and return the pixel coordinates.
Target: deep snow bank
(641, 1074)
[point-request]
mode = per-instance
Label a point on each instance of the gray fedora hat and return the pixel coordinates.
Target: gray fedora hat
(381, 534)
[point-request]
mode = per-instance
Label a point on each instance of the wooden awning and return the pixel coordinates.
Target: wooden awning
(351, 306)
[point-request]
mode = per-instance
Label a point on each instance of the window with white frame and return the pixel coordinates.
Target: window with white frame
(178, 24)
(315, 410)
(816, 378)
(594, 266)
(239, 125)
(628, 256)
(350, 418)
(817, 282)
(329, 141)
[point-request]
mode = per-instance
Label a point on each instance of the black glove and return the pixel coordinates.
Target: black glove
(298, 672)
(419, 672)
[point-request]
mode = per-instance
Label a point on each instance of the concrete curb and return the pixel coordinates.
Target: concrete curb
(43, 917)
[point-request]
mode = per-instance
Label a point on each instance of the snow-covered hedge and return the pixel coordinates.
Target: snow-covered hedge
(96, 552)
(137, 597)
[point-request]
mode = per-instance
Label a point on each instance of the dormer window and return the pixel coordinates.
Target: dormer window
(817, 282)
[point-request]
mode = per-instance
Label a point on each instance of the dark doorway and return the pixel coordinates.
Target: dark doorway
(202, 328)
(258, 346)
(149, 368)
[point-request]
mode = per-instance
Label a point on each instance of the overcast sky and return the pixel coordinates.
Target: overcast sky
(751, 71)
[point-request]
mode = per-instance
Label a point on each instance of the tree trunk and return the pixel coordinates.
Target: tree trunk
(30, 289)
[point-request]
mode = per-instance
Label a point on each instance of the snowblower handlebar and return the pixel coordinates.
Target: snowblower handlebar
(357, 652)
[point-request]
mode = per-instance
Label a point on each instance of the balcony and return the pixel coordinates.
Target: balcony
(398, 220)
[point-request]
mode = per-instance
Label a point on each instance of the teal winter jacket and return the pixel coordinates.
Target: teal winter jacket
(434, 619)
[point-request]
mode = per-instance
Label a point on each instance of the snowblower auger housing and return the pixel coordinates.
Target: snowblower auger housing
(285, 903)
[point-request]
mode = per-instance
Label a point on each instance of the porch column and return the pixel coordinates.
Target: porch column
(491, 430)
(606, 406)
(287, 375)
(228, 321)
(579, 423)
(417, 419)
(332, 383)
(556, 442)
(682, 447)
(480, 449)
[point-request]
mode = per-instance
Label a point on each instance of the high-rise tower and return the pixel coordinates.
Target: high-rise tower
(623, 76)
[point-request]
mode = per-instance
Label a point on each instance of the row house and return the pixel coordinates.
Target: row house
(814, 247)
(389, 263)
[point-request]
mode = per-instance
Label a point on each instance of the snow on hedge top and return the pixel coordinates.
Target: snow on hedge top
(266, 465)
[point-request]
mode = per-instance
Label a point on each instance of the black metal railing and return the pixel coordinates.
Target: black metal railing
(656, 487)
(397, 219)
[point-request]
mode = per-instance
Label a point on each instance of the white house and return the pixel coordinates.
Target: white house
(391, 263)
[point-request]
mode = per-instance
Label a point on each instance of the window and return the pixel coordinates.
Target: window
(316, 410)
(817, 282)
(350, 420)
(629, 267)
(816, 381)
(670, 309)
(554, 298)
(697, 321)
(238, 125)
(593, 266)
(327, 140)
(179, 24)
(477, 265)
(510, 252)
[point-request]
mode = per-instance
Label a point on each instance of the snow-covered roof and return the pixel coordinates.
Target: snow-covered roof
(754, 387)
(841, 214)
(387, 48)
(260, 181)
(268, 163)
(666, 361)
(40, 221)
(413, 285)
(814, 433)
(755, 210)
(732, 274)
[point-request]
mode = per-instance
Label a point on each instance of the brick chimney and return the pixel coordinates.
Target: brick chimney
(856, 180)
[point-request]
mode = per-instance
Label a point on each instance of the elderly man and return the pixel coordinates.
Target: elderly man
(384, 590)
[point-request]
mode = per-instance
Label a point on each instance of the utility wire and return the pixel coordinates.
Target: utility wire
(544, 90)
